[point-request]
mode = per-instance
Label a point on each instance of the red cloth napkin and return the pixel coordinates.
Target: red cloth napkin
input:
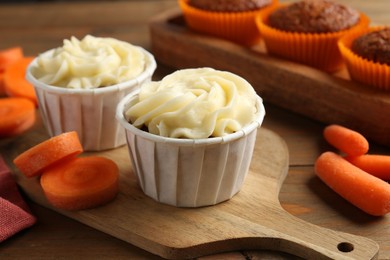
(15, 215)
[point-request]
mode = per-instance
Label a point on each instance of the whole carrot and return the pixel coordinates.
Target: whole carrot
(365, 191)
(375, 164)
(346, 140)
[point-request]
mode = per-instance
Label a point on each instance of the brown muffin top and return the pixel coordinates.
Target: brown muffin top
(314, 16)
(229, 5)
(374, 46)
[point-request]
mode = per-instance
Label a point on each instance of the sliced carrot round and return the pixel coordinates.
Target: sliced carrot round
(17, 115)
(9, 56)
(54, 150)
(15, 83)
(2, 91)
(81, 183)
(26, 125)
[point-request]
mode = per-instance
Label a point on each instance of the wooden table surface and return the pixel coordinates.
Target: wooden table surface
(38, 26)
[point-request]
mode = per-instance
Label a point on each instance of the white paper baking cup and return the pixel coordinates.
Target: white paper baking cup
(90, 112)
(189, 172)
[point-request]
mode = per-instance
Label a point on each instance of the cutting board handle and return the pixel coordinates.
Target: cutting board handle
(295, 236)
(287, 233)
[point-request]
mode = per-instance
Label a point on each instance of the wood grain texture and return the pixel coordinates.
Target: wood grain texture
(301, 89)
(178, 233)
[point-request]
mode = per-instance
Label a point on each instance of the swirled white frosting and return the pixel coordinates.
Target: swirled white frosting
(194, 103)
(90, 63)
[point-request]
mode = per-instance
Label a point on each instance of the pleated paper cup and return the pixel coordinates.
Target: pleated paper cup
(239, 27)
(190, 172)
(318, 50)
(89, 112)
(373, 74)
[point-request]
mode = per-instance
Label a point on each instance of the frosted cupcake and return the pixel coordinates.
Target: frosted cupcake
(79, 85)
(191, 135)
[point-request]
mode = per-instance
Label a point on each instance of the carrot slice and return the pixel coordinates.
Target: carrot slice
(17, 115)
(365, 191)
(15, 83)
(2, 90)
(346, 140)
(46, 154)
(81, 183)
(26, 125)
(9, 56)
(375, 164)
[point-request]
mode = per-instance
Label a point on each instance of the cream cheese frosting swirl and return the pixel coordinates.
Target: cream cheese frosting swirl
(194, 103)
(90, 63)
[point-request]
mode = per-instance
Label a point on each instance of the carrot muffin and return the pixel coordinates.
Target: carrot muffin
(233, 20)
(374, 46)
(367, 56)
(229, 5)
(314, 16)
(191, 135)
(307, 31)
(79, 84)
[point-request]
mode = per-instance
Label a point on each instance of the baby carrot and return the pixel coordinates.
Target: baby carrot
(15, 83)
(346, 140)
(81, 183)
(17, 115)
(9, 56)
(54, 150)
(365, 191)
(375, 164)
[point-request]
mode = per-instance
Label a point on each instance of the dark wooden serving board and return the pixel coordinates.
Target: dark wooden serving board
(328, 98)
(253, 219)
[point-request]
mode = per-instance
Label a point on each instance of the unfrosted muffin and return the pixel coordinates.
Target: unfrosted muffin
(307, 31)
(374, 46)
(191, 135)
(367, 56)
(79, 84)
(314, 16)
(233, 20)
(229, 5)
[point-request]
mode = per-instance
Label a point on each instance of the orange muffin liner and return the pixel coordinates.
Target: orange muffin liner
(239, 27)
(360, 69)
(317, 50)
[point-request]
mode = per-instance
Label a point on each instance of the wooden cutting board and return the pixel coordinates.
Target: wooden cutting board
(328, 98)
(253, 219)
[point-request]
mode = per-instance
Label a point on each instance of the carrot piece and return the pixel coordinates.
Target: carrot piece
(365, 191)
(15, 84)
(375, 164)
(26, 125)
(81, 183)
(2, 90)
(9, 56)
(346, 140)
(35, 160)
(17, 115)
